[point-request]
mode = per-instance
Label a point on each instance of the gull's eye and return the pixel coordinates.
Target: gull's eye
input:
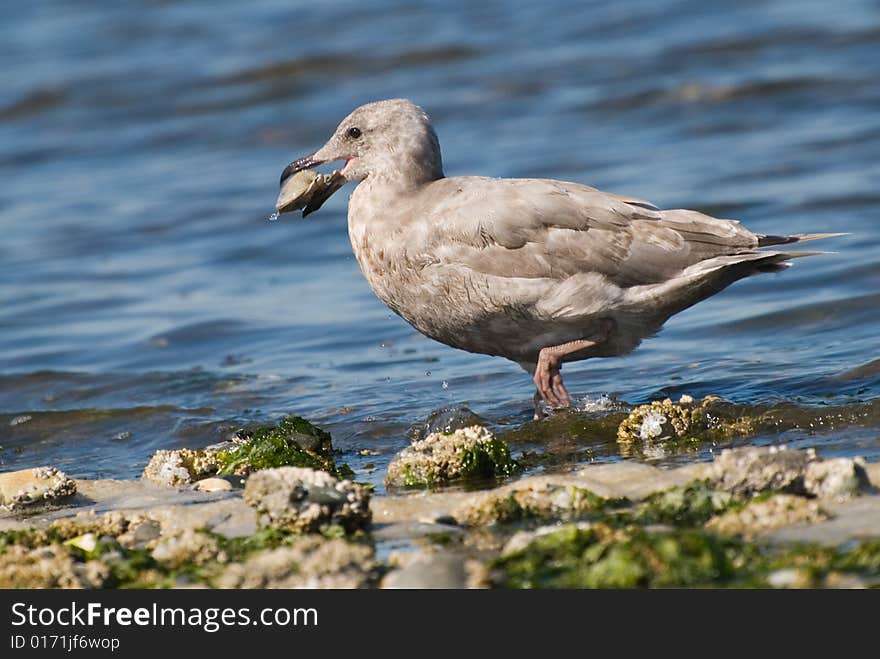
(354, 132)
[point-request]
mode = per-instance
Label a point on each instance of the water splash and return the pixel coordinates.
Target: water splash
(652, 426)
(274, 216)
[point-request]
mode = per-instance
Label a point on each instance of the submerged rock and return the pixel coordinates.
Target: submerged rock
(28, 487)
(310, 562)
(305, 500)
(710, 418)
(663, 420)
(445, 420)
(767, 514)
(471, 452)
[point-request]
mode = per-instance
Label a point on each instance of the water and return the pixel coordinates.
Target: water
(147, 303)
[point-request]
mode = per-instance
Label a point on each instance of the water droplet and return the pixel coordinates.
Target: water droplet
(444, 384)
(274, 216)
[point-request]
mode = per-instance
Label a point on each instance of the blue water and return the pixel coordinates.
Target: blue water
(146, 302)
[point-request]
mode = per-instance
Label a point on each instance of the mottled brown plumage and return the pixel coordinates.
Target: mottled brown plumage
(538, 271)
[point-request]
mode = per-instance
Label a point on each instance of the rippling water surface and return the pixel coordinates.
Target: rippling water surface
(148, 303)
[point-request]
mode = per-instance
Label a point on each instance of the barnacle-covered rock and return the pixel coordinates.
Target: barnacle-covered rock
(471, 452)
(29, 487)
(305, 500)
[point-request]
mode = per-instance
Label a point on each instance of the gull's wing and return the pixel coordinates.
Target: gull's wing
(537, 228)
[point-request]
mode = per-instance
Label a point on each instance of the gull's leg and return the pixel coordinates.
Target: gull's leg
(548, 372)
(539, 405)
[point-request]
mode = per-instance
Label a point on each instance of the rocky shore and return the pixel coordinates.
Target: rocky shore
(271, 508)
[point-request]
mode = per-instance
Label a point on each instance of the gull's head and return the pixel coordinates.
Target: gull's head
(390, 139)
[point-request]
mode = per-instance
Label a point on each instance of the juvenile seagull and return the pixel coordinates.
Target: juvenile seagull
(539, 271)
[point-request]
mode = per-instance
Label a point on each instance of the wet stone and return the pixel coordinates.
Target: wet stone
(440, 458)
(838, 478)
(430, 570)
(51, 566)
(445, 420)
(213, 485)
(765, 515)
(29, 487)
(749, 470)
(310, 562)
(189, 547)
(181, 466)
(305, 500)
(539, 501)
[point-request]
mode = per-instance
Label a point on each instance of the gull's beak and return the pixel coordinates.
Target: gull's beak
(306, 162)
(306, 190)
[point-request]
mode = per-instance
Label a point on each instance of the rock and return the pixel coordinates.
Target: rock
(761, 516)
(213, 485)
(853, 519)
(181, 466)
(471, 452)
(190, 547)
(434, 570)
(872, 469)
(790, 578)
(841, 580)
(305, 500)
(27, 487)
(838, 478)
(522, 539)
(445, 420)
(663, 420)
(51, 566)
(293, 441)
(311, 562)
(689, 419)
(751, 469)
(538, 501)
(444, 533)
(86, 542)
(688, 505)
(112, 523)
(142, 533)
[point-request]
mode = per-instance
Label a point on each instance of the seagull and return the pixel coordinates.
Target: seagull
(539, 271)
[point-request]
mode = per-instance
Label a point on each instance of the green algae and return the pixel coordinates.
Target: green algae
(566, 427)
(715, 419)
(600, 556)
(692, 504)
(293, 441)
(546, 503)
(490, 459)
(470, 454)
(239, 548)
(29, 538)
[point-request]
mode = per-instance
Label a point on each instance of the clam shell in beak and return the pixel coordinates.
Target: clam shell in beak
(307, 190)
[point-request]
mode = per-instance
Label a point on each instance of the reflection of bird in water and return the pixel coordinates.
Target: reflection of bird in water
(539, 271)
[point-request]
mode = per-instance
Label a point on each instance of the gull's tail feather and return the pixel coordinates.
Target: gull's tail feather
(768, 241)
